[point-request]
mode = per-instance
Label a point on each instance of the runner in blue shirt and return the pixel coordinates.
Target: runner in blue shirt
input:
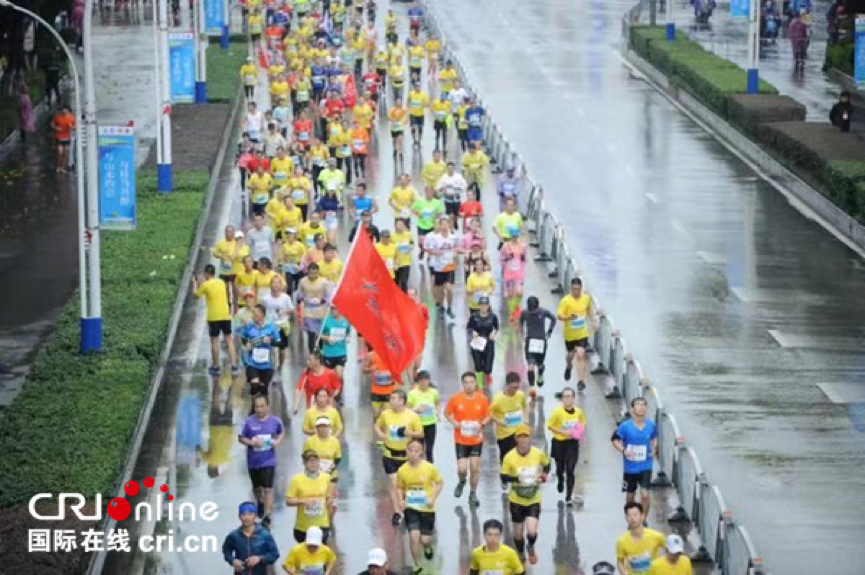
(475, 118)
(637, 440)
(258, 338)
(261, 434)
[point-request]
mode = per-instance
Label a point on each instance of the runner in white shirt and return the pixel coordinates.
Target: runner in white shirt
(452, 187)
(457, 96)
(441, 245)
(253, 123)
(279, 307)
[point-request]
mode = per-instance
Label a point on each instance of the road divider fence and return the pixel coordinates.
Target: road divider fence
(701, 505)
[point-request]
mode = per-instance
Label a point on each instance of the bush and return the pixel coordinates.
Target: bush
(70, 427)
(709, 78)
(840, 57)
(748, 111)
(223, 67)
(844, 181)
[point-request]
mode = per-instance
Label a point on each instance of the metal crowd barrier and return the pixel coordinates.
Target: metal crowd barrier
(701, 504)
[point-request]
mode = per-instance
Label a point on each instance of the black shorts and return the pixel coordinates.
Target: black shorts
(217, 327)
(520, 512)
(630, 481)
(255, 38)
(262, 477)
(421, 232)
(452, 208)
(423, 521)
(416, 121)
(376, 398)
(442, 278)
(332, 362)
(395, 135)
(283, 340)
(263, 375)
(506, 444)
(63, 143)
(300, 536)
(575, 343)
(227, 278)
(467, 451)
(391, 466)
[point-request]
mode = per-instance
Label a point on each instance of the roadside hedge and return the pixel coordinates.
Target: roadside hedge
(840, 56)
(70, 427)
(709, 78)
(831, 161)
(223, 69)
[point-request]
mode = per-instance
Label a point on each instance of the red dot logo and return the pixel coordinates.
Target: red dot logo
(148, 482)
(164, 488)
(131, 488)
(119, 509)
(171, 498)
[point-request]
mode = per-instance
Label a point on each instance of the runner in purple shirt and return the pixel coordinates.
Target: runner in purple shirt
(262, 433)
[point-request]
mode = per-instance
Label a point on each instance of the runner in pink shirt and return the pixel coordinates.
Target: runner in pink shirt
(513, 257)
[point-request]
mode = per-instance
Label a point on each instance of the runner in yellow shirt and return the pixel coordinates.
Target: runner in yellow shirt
(396, 426)
(674, 561)
(639, 546)
(229, 252)
(525, 468)
(479, 284)
(434, 169)
(249, 77)
(311, 556)
(300, 191)
(281, 167)
(418, 486)
(245, 281)
(388, 252)
(509, 410)
(567, 423)
(442, 110)
(495, 556)
(575, 310)
(404, 241)
(475, 163)
(330, 267)
(418, 102)
(325, 445)
(312, 492)
(397, 116)
(416, 56)
(433, 51)
(215, 296)
(290, 258)
(402, 198)
(446, 78)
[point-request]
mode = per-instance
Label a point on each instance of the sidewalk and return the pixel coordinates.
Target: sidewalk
(727, 37)
(38, 207)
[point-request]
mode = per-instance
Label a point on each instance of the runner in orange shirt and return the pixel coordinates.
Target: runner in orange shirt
(468, 411)
(359, 149)
(63, 124)
(382, 382)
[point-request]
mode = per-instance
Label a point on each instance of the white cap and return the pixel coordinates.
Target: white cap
(314, 536)
(238, 235)
(322, 421)
(675, 544)
(377, 558)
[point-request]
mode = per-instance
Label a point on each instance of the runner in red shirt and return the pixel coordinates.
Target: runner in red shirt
(471, 208)
(303, 129)
(371, 84)
(316, 377)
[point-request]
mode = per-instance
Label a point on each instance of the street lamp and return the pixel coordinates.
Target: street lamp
(753, 83)
(79, 171)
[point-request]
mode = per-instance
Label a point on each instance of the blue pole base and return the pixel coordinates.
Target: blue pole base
(753, 81)
(671, 31)
(200, 92)
(163, 178)
(223, 40)
(91, 335)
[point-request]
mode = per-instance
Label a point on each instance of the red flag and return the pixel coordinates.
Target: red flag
(388, 319)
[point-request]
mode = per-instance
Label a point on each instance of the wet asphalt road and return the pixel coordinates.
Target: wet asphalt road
(745, 314)
(569, 541)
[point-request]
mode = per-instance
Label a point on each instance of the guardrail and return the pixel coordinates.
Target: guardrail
(700, 503)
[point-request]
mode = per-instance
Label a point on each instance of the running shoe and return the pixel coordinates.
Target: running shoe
(428, 552)
(567, 374)
(581, 386)
(215, 370)
(473, 499)
(533, 557)
(235, 369)
(458, 490)
(560, 485)
(396, 519)
(450, 313)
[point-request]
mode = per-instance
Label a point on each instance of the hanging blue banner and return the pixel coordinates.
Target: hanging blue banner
(214, 17)
(181, 57)
(859, 54)
(116, 177)
(740, 8)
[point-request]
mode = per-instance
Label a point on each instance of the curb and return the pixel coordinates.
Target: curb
(97, 561)
(807, 200)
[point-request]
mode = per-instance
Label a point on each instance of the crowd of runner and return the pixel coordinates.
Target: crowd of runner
(303, 165)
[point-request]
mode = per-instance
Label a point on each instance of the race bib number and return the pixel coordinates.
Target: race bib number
(249, 79)
(514, 264)
(345, 150)
(537, 346)
(266, 442)
(425, 409)
(225, 266)
(479, 343)
(280, 176)
(640, 563)
(404, 248)
(313, 302)
(636, 453)
(298, 195)
(382, 377)
(312, 570)
(578, 322)
(330, 217)
(337, 333)
(492, 572)
(513, 419)
(470, 428)
(405, 213)
(528, 476)
(261, 355)
(393, 433)
(291, 268)
(416, 498)
(315, 509)
(326, 465)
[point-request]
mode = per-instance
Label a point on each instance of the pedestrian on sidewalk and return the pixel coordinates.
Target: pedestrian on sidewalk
(842, 112)
(798, 34)
(26, 119)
